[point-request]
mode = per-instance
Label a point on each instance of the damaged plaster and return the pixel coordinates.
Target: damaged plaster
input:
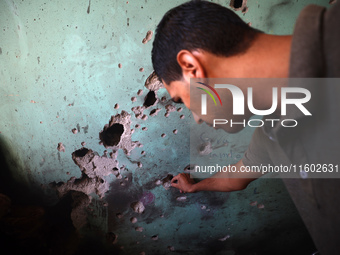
(117, 134)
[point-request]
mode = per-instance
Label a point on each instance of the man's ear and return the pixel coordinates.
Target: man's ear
(191, 66)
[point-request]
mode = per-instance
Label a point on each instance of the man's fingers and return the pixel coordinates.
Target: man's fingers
(175, 179)
(175, 185)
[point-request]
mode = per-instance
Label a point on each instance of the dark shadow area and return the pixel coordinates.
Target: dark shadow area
(111, 135)
(81, 152)
(28, 226)
(236, 3)
(150, 99)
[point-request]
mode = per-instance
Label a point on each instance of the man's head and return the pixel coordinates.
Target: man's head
(197, 25)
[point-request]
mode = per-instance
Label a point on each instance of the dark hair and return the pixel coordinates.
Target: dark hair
(198, 25)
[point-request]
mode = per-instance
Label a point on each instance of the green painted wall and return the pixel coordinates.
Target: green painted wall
(59, 71)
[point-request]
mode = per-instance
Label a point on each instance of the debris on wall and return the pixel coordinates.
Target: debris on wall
(181, 198)
(167, 181)
(224, 238)
(138, 207)
(153, 83)
(189, 168)
(148, 37)
(133, 220)
(61, 147)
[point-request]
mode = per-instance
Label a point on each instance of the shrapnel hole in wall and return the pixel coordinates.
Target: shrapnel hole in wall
(150, 99)
(81, 152)
(111, 136)
(236, 4)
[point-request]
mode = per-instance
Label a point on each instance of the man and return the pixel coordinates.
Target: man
(200, 39)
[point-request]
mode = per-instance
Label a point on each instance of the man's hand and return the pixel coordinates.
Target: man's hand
(183, 182)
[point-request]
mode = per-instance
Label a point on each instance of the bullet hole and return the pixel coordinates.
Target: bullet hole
(61, 147)
(155, 237)
(163, 135)
(133, 220)
(111, 136)
(182, 117)
(154, 112)
(163, 99)
(133, 99)
(83, 143)
(116, 106)
(139, 229)
(74, 131)
(141, 69)
(89, 7)
(144, 128)
(119, 65)
(253, 203)
(189, 168)
(142, 153)
(119, 215)
(137, 126)
(260, 206)
(150, 99)
(180, 109)
(175, 131)
(81, 152)
(111, 237)
(140, 92)
(236, 3)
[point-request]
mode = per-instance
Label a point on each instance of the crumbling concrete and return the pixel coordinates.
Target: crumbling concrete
(153, 82)
(167, 181)
(181, 198)
(94, 168)
(138, 207)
